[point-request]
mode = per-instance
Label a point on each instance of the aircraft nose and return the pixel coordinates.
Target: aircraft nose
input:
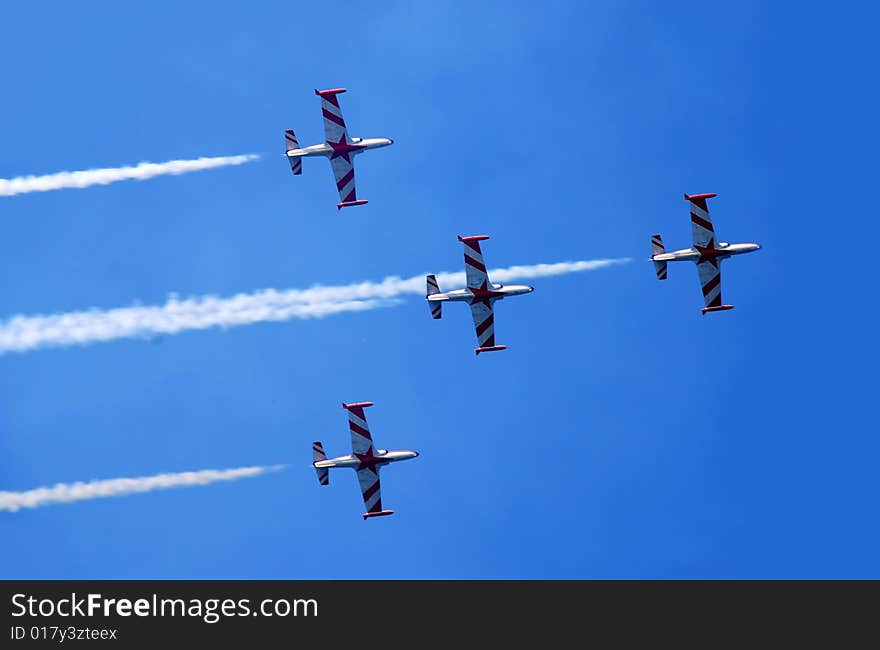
(415, 454)
(531, 289)
(390, 141)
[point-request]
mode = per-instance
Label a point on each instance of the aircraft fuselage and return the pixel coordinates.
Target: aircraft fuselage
(381, 457)
(496, 292)
(721, 251)
(356, 146)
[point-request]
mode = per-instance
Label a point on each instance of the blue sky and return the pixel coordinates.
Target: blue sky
(621, 435)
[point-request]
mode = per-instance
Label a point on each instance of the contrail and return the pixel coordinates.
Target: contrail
(105, 176)
(67, 492)
(23, 333)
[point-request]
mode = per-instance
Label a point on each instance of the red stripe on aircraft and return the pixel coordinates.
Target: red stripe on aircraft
(358, 429)
(334, 118)
(345, 180)
(370, 491)
(475, 263)
(697, 219)
(700, 202)
(486, 324)
(711, 284)
(475, 245)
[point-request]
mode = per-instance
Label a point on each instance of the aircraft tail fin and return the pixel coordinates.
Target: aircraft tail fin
(657, 248)
(290, 143)
(434, 288)
(318, 454)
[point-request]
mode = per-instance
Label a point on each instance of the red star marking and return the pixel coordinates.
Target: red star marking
(368, 461)
(484, 294)
(709, 253)
(341, 149)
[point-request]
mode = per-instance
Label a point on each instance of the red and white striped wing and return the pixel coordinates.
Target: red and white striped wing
(334, 124)
(710, 281)
(343, 172)
(474, 267)
(361, 440)
(484, 322)
(701, 223)
(368, 478)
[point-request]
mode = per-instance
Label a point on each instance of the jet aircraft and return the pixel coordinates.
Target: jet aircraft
(480, 294)
(364, 459)
(705, 252)
(339, 148)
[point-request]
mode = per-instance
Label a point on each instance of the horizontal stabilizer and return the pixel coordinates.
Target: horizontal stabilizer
(291, 143)
(378, 513)
(660, 269)
(346, 204)
(434, 288)
(657, 246)
(318, 454)
(705, 310)
(473, 238)
(491, 348)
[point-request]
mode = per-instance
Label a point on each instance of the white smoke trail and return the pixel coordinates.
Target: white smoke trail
(67, 492)
(88, 177)
(23, 333)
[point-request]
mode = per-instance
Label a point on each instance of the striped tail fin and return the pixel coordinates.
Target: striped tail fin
(318, 454)
(657, 248)
(434, 288)
(290, 143)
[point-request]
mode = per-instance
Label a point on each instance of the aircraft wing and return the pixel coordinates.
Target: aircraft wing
(701, 222)
(484, 322)
(475, 269)
(361, 440)
(368, 478)
(710, 281)
(343, 172)
(334, 123)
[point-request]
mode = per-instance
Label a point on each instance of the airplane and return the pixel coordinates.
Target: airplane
(705, 253)
(364, 460)
(338, 147)
(480, 294)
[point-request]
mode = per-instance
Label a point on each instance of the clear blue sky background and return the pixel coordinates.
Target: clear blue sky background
(621, 434)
